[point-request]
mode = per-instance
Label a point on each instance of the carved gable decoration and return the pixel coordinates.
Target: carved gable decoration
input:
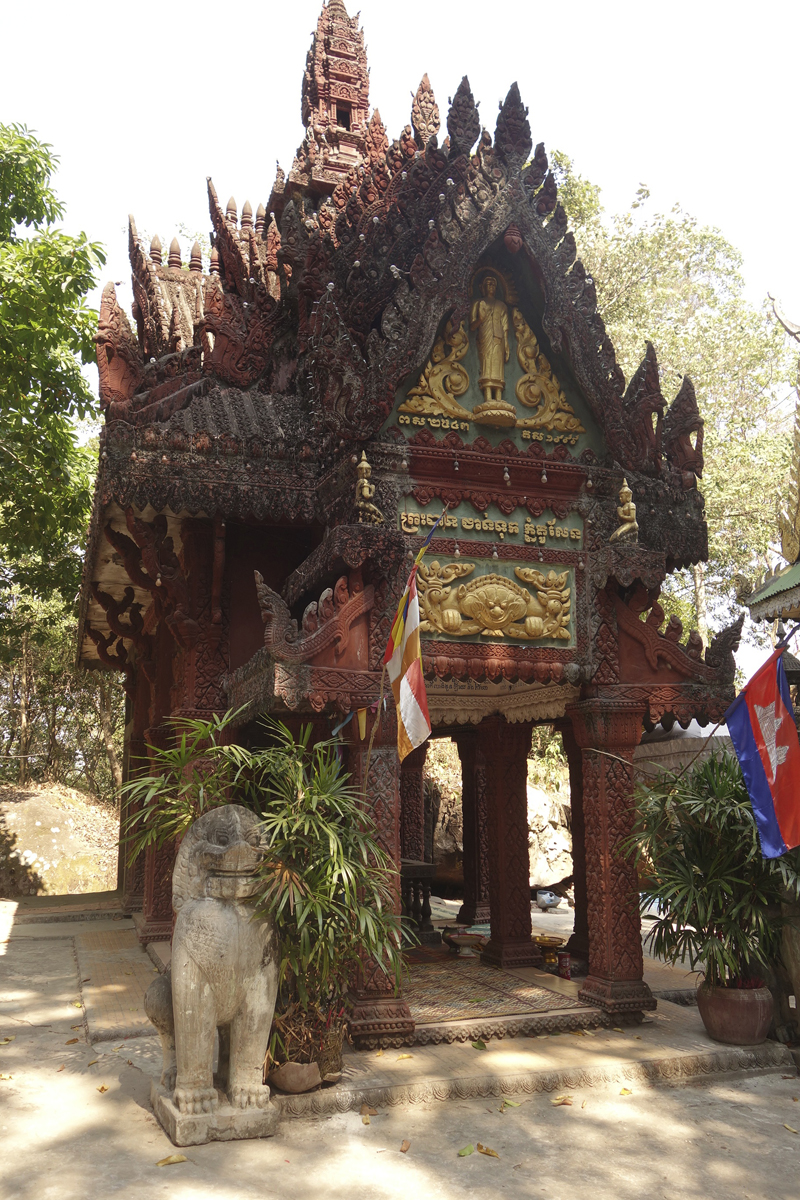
(489, 375)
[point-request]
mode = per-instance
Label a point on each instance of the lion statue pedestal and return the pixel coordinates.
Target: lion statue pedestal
(222, 981)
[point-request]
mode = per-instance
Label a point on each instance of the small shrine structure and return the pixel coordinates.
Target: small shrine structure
(405, 326)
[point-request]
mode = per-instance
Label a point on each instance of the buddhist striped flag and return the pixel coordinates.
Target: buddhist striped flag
(403, 662)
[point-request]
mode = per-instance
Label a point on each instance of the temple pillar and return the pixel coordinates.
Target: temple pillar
(379, 1016)
(155, 922)
(578, 944)
(607, 732)
(476, 908)
(412, 804)
(505, 749)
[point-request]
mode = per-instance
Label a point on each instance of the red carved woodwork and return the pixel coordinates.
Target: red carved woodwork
(607, 733)
(505, 750)
(235, 416)
(476, 908)
(379, 1016)
(412, 804)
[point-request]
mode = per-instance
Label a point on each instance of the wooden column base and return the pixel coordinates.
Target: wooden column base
(378, 1022)
(509, 955)
(619, 997)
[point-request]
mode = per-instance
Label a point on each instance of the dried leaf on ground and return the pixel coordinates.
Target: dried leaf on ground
(5, 1076)
(626, 1091)
(466, 1150)
(405, 1146)
(72, 1041)
(364, 1119)
(61, 1068)
(102, 1089)
(401, 1056)
(77, 1026)
(488, 1151)
(616, 1029)
(577, 1033)
(367, 1111)
(584, 1104)
(4, 1041)
(478, 1045)
(509, 1104)
(94, 1060)
(789, 1127)
(170, 1159)
(562, 1100)
(77, 1004)
(379, 1054)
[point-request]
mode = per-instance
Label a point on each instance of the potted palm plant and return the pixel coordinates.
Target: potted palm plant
(327, 883)
(718, 899)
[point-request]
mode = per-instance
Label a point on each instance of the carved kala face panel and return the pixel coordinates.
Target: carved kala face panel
(494, 605)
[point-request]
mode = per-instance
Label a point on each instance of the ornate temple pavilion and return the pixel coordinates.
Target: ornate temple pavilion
(404, 326)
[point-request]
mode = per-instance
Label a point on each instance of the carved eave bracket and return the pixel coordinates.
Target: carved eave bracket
(326, 622)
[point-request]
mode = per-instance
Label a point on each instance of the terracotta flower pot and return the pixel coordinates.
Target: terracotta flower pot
(738, 1016)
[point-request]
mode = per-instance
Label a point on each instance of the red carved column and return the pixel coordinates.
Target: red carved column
(476, 908)
(412, 805)
(505, 748)
(578, 944)
(379, 1016)
(607, 732)
(134, 761)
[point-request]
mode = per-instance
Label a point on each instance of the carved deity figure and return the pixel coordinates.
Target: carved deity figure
(628, 530)
(368, 514)
(489, 317)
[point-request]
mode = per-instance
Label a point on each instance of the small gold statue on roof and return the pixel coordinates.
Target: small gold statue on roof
(628, 530)
(368, 514)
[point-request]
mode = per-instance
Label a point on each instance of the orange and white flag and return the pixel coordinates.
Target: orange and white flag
(403, 662)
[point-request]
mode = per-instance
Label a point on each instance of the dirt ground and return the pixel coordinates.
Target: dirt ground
(55, 841)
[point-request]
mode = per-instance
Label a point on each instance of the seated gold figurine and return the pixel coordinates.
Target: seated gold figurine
(628, 531)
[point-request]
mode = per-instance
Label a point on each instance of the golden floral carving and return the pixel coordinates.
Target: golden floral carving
(538, 388)
(492, 605)
(443, 378)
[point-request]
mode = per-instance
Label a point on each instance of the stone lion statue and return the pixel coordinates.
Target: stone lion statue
(224, 970)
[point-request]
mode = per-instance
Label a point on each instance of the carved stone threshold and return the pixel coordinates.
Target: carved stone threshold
(668, 1068)
(620, 998)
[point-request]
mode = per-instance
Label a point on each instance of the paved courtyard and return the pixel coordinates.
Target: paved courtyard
(75, 1116)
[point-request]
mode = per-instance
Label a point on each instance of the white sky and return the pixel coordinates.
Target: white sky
(696, 98)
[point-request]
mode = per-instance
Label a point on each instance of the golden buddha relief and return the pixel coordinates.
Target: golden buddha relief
(494, 323)
(492, 605)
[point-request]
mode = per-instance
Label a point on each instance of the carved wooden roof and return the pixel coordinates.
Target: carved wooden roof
(248, 391)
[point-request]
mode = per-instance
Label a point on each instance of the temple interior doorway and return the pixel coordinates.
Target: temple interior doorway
(549, 815)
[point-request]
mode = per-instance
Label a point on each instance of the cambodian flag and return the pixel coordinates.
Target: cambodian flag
(761, 724)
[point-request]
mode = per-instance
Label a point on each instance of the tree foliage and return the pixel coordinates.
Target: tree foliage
(46, 333)
(58, 724)
(665, 278)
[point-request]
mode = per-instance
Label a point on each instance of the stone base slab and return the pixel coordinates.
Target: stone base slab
(618, 997)
(667, 1070)
(227, 1124)
(510, 956)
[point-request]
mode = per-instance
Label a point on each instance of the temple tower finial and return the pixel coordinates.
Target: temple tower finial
(335, 102)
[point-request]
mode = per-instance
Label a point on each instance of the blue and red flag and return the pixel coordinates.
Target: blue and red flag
(761, 724)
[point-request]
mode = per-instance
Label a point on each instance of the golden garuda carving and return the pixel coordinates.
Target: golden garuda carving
(538, 388)
(443, 379)
(491, 605)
